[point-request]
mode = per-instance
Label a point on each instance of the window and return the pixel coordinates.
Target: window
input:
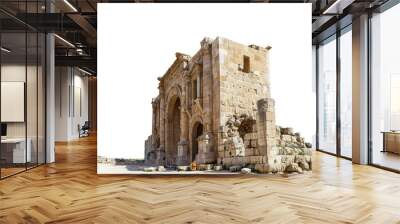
(346, 94)
(327, 95)
(246, 64)
(194, 89)
(22, 65)
(385, 88)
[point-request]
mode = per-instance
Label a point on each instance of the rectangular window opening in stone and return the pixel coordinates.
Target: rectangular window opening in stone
(195, 89)
(246, 64)
(199, 86)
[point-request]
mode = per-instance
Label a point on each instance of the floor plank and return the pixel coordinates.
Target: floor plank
(70, 191)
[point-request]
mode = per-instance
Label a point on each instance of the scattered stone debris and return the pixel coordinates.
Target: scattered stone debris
(182, 168)
(149, 169)
(161, 169)
(207, 167)
(235, 168)
(217, 168)
(245, 170)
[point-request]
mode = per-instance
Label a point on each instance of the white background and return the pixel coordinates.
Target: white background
(137, 44)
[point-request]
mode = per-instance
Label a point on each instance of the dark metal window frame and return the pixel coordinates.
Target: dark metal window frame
(386, 6)
(334, 37)
(44, 80)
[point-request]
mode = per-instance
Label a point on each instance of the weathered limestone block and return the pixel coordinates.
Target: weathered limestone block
(262, 168)
(205, 158)
(286, 138)
(183, 153)
(235, 146)
(249, 152)
(218, 168)
(205, 166)
(182, 168)
(149, 169)
(235, 168)
(287, 131)
(294, 167)
(161, 168)
(205, 154)
(247, 143)
(245, 170)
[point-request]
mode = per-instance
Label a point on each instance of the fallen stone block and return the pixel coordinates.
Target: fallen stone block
(294, 167)
(287, 131)
(218, 168)
(149, 169)
(182, 168)
(205, 166)
(161, 169)
(245, 170)
(235, 168)
(262, 168)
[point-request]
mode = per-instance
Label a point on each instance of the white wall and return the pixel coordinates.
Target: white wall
(70, 83)
(33, 127)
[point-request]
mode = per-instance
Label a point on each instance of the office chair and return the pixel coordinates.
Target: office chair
(84, 130)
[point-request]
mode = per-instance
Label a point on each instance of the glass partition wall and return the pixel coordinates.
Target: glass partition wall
(334, 75)
(345, 62)
(22, 89)
(385, 89)
(327, 95)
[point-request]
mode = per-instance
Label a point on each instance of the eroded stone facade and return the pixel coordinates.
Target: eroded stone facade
(216, 108)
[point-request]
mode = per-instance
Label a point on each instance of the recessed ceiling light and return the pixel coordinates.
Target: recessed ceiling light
(5, 50)
(70, 5)
(84, 71)
(64, 40)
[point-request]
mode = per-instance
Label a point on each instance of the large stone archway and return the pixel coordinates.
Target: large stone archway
(173, 130)
(197, 131)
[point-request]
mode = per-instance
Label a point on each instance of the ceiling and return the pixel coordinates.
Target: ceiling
(75, 22)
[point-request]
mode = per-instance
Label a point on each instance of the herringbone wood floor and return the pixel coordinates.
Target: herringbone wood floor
(70, 191)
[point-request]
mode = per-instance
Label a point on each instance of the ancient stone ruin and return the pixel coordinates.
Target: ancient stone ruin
(215, 110)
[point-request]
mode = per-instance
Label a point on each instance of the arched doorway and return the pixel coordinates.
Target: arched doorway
(196, 132)
(174, 130)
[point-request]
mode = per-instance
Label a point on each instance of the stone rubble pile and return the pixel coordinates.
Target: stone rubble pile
(289, 153)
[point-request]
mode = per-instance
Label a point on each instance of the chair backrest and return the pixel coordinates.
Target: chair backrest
(86, 124)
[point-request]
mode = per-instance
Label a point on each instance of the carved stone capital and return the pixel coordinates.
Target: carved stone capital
(205, 43)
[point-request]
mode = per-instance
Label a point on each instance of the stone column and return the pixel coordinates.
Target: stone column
(205, 154)
(266, 130)
(154, 117)
(161, 149)
(207, 84)
(183, 152)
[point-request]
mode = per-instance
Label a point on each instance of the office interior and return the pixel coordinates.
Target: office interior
(48, 81)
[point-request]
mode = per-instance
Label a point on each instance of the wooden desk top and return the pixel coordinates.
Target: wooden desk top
(391, 132)
(13, 140)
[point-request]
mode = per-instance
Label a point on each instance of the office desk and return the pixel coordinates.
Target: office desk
(391, 142)
(13, 150)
